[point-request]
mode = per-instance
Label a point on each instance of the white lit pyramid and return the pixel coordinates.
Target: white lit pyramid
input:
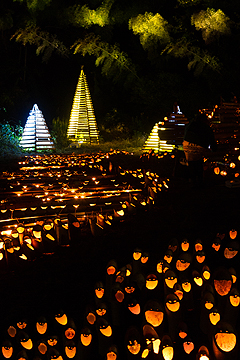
(36, 135)
(82, 127)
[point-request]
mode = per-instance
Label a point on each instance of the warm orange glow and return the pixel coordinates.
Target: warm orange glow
(188, 346)
(27, 344)
(119, 295)
(70, 333)
(160, 266)
(137, 254)
(203, 353)
(70, 351)
(182, 265)
(129, 289)
(168, 257)
(230, 252)
(111, 355)
(7, 350)
(222, 286)
(198, 246)
(134, 308)
(86, 338)
(12, 331)
(134, 347)
(106, 331)
(170, 279)
(206, 273)
(42, 348)
(61, 319)
(151, 282)
(41, 327)
(91, 318)
(172, 303)
(99, 292)
(200, 257)
(186, 285)
(216, 245)
(197, 279)
(226, 341)
(214, 317)
(233, 234)
(21, 324)
(154, 316)
(185, 245)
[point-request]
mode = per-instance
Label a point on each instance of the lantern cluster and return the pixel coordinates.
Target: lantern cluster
(185, 303)
(228, 168)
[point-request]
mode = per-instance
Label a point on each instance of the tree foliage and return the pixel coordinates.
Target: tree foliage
(59, 133)
(151, 28)
(9, 139)
(212, 23)
(150, 49)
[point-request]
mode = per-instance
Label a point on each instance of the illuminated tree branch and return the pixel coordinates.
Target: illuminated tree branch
(45, 42)
(109, 56)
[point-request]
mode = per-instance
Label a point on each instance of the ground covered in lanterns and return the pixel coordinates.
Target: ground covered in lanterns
(65, 281)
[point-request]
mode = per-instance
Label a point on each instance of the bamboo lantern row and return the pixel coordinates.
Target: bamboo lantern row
(51, 190)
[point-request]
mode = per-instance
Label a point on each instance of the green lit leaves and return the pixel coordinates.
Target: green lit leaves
(114, 62)
(212, 23)
(45, 42)
(85, 17)
(198, 59)
(152, 29)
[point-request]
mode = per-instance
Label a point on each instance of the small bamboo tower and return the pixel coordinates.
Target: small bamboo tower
(152, 142)
(82, 127)
(36, 135)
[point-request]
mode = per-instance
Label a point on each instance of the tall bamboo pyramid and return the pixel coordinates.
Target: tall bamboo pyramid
(82, 126)
(36, 135)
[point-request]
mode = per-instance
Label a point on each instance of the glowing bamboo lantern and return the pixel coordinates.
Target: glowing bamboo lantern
(152, 340)
(222, 281)
(167, 348)
(188, 345)
(61, 317)
(7, 349)
(36, 135)
(82, 126)
(203, 353)
(70, 349)
(153, 312)
(133, 340)
(41, 325)
(224, 341)
(86, 336)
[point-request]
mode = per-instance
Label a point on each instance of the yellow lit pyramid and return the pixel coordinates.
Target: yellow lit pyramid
(36, 135)
(82, 127)
(152, 142)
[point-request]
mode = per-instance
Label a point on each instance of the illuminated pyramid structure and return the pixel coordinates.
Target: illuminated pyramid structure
(168, 134)
(36, 135)
(82, 127)
(152, 142)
